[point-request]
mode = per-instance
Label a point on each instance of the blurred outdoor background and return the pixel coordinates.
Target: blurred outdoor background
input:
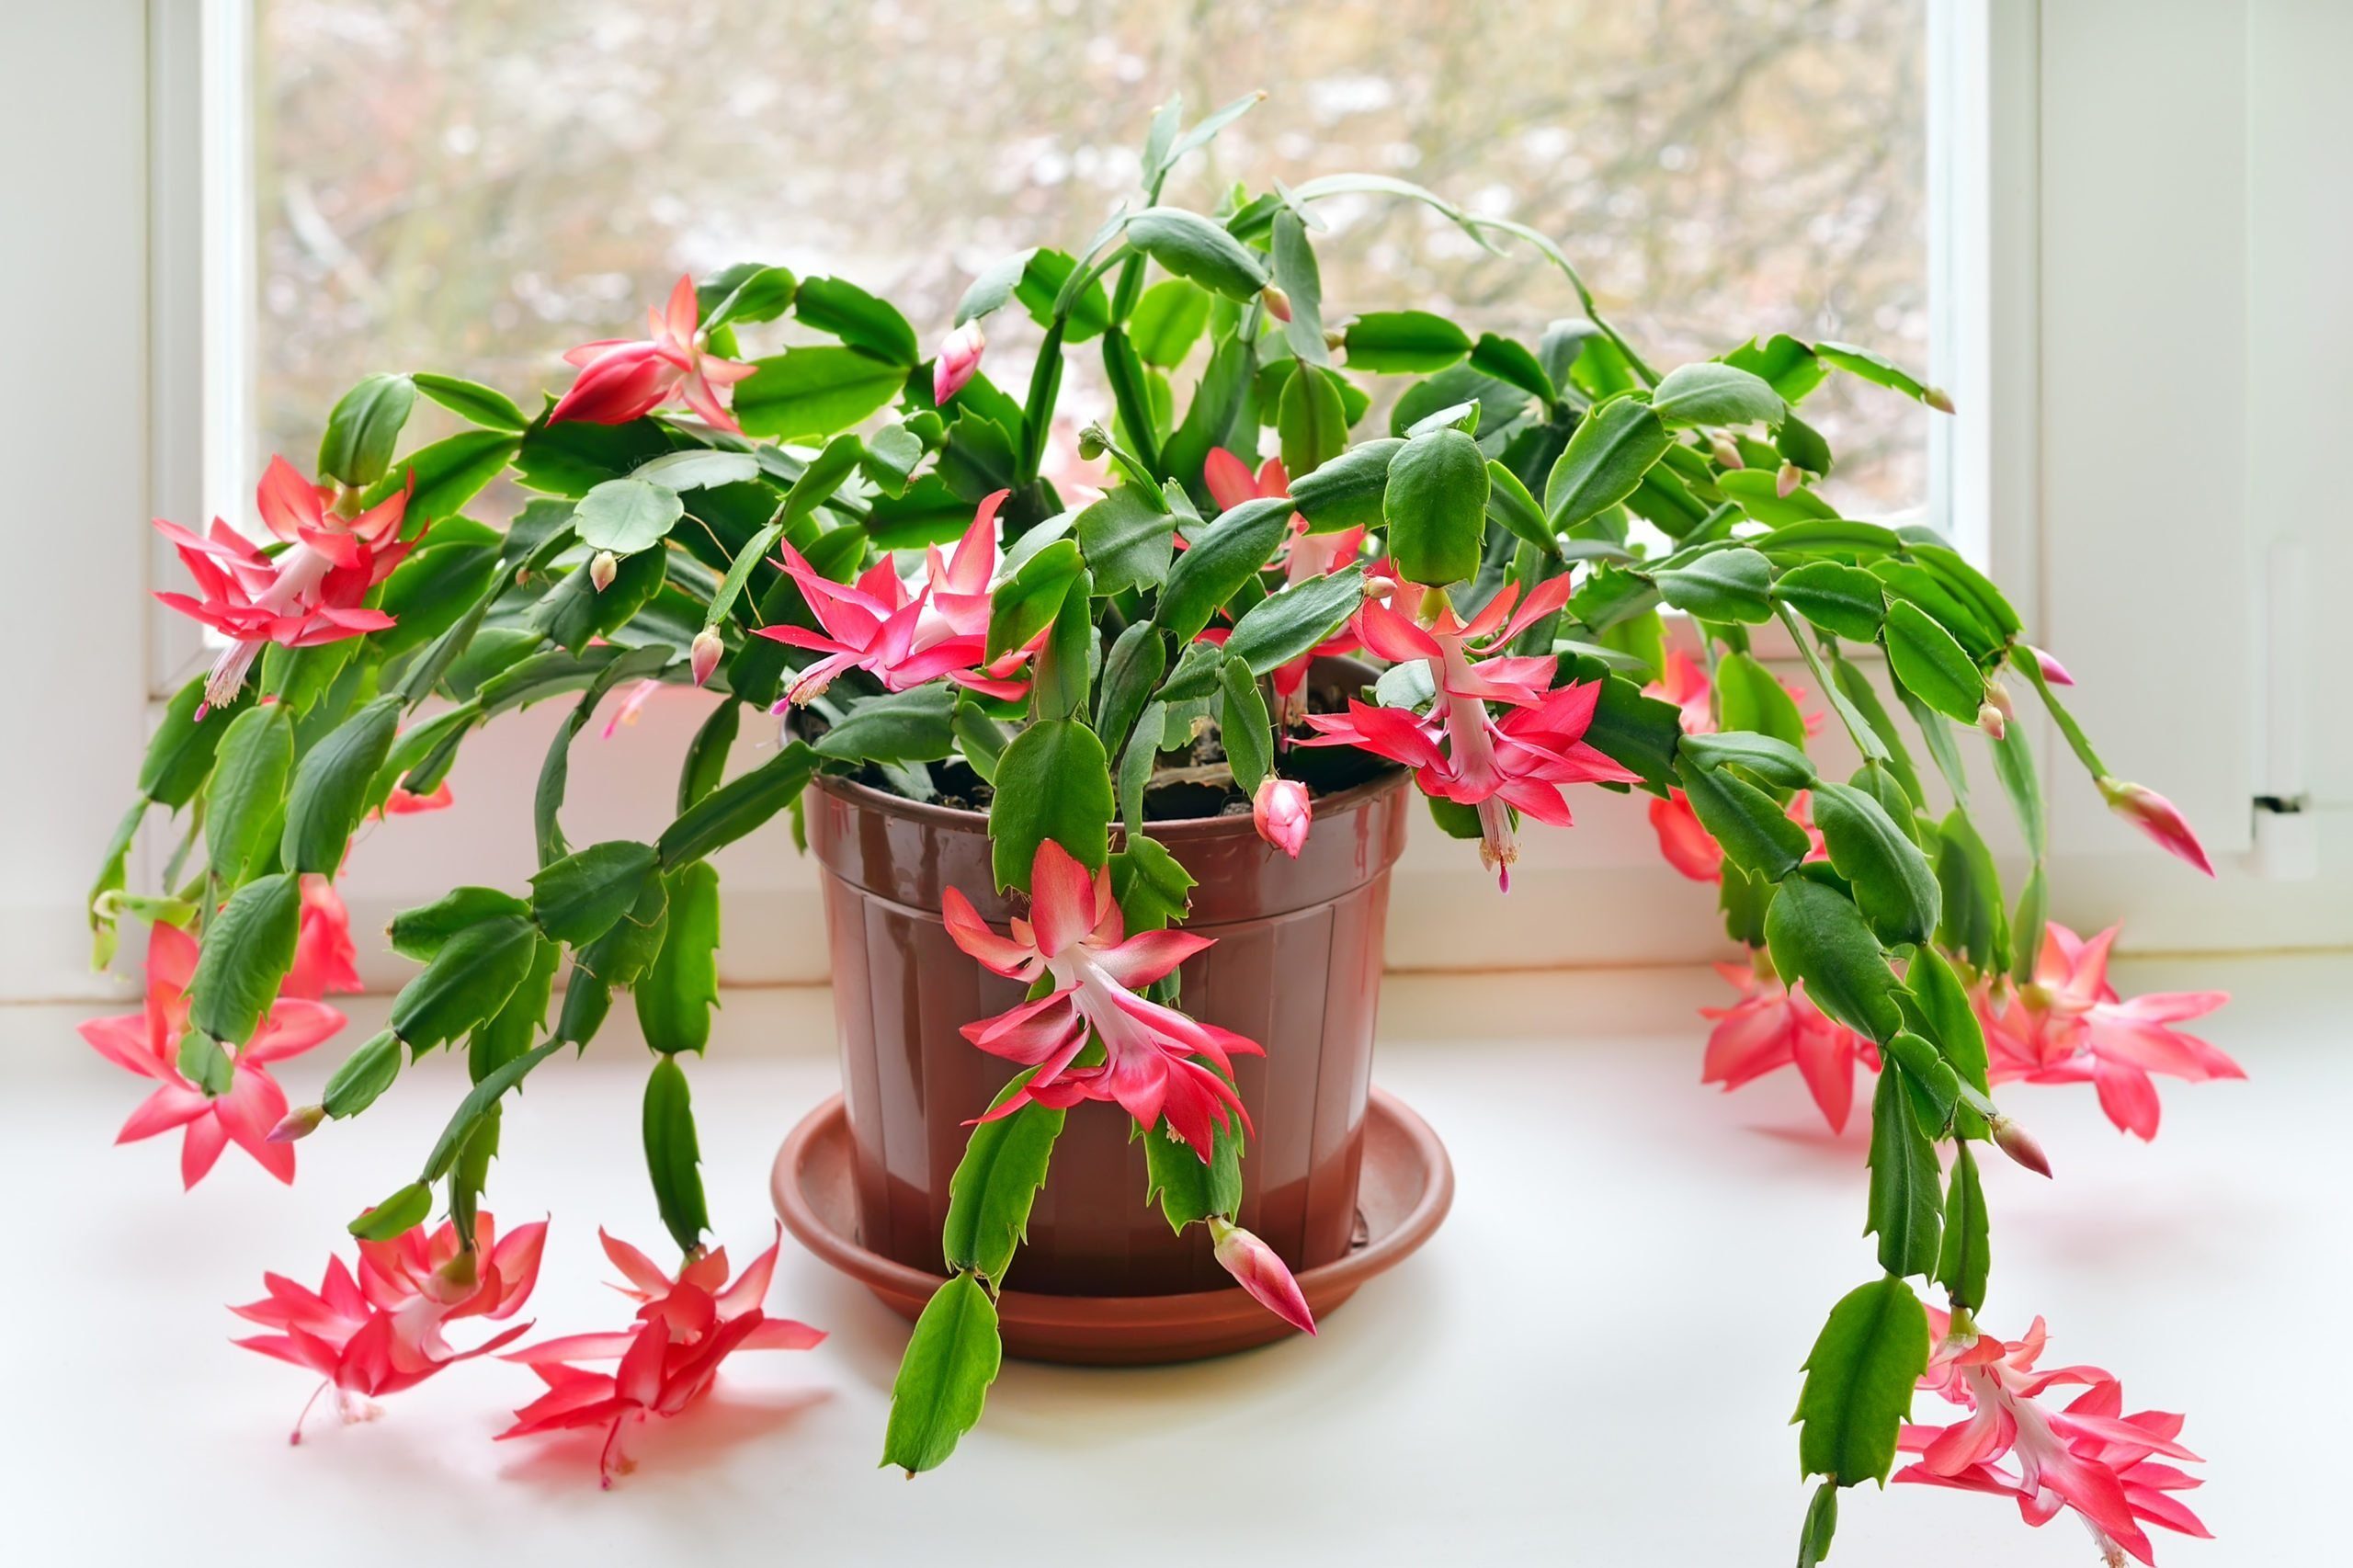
(474, 186)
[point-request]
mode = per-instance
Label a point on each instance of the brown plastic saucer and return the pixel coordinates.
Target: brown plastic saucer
(1405, 1189)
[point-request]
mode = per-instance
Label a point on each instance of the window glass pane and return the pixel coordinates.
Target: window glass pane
(474, 185)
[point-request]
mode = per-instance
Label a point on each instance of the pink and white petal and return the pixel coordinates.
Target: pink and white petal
(1148, 955)
(2127, 1096)
(636, 1267)
(122, 1039)
(782, 1333)
(289, 502)
(1228, 480)
(200, 1146)
(293, 1027)
(1061, 898)
(253, 1106)
(172, 1104)
(965, 927)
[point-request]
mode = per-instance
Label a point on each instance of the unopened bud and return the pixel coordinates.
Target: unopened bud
(1278, 302)
(1093, 442)
(1938, 399)
(603, 569)
(2019, 1145)
(1258, 1271)
(300, 1123)
(1786, 482)
(2157, 817)
(2052, 670)
(702, 656)
(1727, 452)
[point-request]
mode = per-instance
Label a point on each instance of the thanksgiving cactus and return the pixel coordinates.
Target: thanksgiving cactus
(871, 544)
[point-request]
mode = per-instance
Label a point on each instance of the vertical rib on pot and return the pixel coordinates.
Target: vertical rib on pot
(1296, 967)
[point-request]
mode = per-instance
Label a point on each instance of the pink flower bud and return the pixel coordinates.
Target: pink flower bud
(300, 1123)
(2052, 670)
(1727, 452)
(1278, 302)
(1991, 720)
(702, 657)
(1281, 812)
(2157, 817)
(1255, 1267)
(1786, 482)
(1938, 399)
(2019, 1145)
(958, 360)
(603, 569)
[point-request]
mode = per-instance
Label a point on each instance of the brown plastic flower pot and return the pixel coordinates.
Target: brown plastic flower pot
(1296, 967)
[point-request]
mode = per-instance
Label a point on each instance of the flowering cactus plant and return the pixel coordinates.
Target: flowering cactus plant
(877, 547)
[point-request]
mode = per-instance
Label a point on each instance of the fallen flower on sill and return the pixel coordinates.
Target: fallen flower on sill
(2070, 1026)
(685, 1327)
(147, 1043)
(378, 1331)
(1153, 1056)
(626, 379)
(2089, 1456)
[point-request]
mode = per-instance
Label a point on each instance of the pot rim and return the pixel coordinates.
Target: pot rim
(959, 819)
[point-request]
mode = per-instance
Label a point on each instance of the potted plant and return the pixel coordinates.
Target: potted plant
(1058, 751)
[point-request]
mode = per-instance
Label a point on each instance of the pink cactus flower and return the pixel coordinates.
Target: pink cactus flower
(147, 1043)
(901, 639)
(631, 704)
(325, 959)
(1304, 557)
(626, 379)
(407, 802)
(1688, 846)
(380, 1332)
(2089, 1457)
(1459, 751)
(2157, 817)
(2069, 1026)
(1687, 686)
(1281, 812)
(959, 362)
(1258, 1271)
(1156, 1061)
(1775, 1026)
(312, 592)
(685, 1327)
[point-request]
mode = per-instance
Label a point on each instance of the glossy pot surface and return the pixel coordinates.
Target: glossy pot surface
(1296, 967)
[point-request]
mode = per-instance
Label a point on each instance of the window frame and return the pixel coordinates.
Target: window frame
(2019, 101)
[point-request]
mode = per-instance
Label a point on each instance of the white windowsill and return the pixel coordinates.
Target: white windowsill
(1592, 1360)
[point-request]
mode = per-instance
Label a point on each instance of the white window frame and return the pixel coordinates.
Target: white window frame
(2057, 260)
